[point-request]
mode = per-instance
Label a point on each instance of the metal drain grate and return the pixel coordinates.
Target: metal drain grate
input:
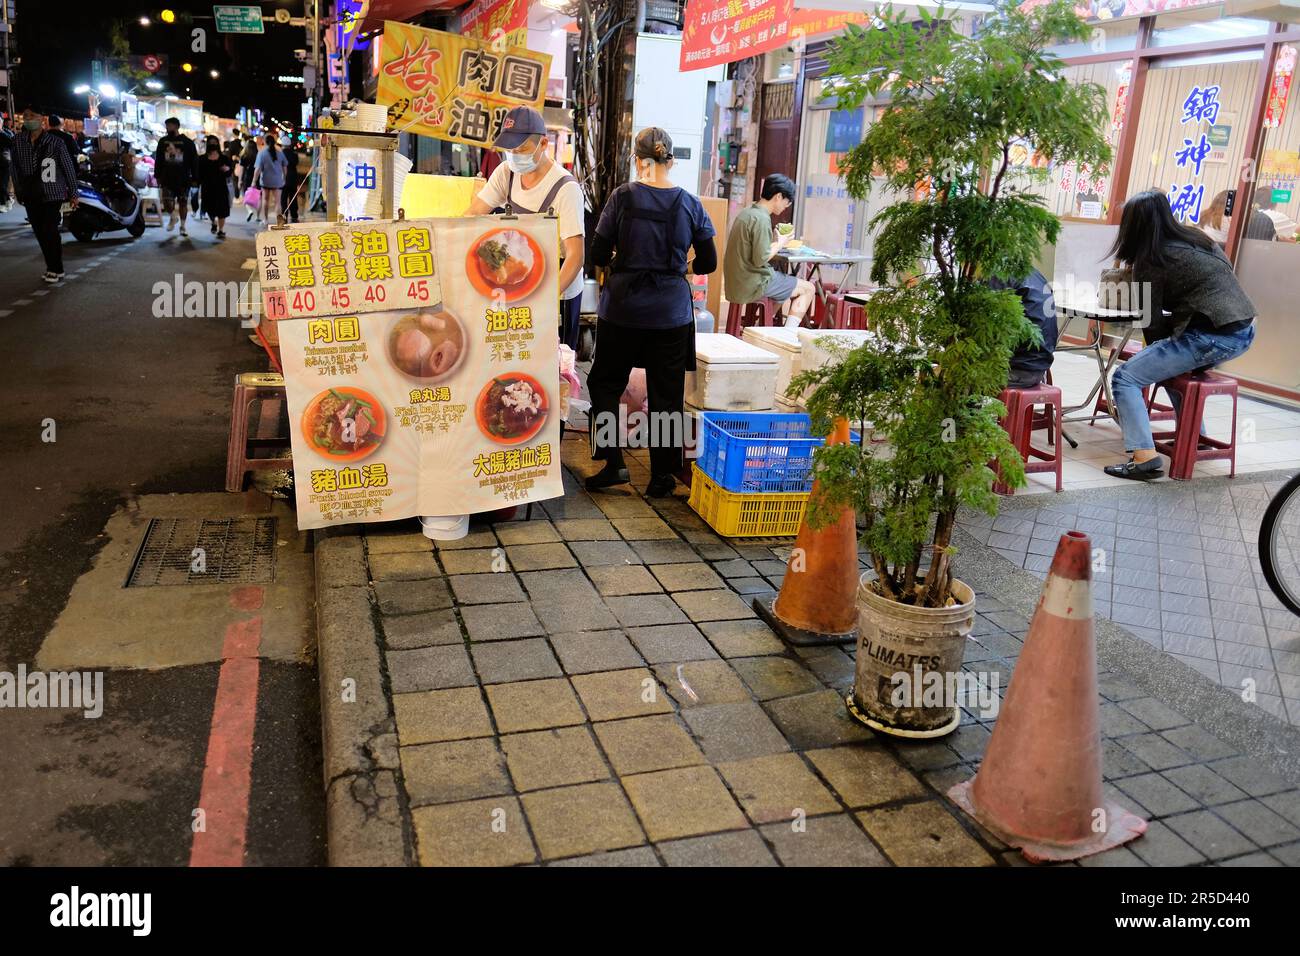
(179, 551)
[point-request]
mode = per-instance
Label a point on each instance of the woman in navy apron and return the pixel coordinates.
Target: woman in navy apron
(646, 315)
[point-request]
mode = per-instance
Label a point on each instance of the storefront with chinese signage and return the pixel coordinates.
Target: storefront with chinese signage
(1200, 109)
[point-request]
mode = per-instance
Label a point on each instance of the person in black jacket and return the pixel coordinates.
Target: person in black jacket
(46, 178)
(175, 167)
(6, 154)
(1031, 361)
(1182, 271)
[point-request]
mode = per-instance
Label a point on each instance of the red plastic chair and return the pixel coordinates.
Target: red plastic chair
(1185, 445)
(741, 316)
(1020, 422)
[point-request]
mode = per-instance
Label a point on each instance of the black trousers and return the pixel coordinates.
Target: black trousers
(45, 218)
(570, 321)
(666, 355)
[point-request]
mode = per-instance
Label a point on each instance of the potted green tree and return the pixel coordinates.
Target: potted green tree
(965, 107)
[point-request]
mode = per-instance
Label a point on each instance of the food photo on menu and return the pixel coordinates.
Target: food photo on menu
(427, 346)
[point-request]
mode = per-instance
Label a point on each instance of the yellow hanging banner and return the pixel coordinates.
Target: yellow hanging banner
(453, 87)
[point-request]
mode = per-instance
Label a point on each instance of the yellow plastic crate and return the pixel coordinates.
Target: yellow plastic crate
(746, 516)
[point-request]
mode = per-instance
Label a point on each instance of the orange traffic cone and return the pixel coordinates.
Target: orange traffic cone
(1039, 786)
(818, 599)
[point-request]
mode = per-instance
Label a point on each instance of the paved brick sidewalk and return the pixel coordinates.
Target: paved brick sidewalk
(1181, 573)
(591, 688)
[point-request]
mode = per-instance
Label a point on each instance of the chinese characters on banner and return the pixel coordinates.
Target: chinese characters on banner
(360, 174)
(502, 21)
(431, 410)
(347, 267)
(720, 31)
(1200, 108)
(452, 87)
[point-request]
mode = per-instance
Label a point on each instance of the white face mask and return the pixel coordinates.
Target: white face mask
(522, 162)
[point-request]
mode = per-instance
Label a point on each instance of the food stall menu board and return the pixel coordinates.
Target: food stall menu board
(364, 266)
(440, 409)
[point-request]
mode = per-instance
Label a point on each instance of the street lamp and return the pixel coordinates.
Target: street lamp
(81, 88)
(108, 90)
(214, 74)
(145, 21)
(153, 84)
(187, 67)
(167, 16)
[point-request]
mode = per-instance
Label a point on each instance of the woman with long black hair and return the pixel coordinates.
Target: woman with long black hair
(647, 317)
(1182, 271)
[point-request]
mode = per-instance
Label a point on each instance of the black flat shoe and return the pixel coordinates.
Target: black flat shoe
(661, 486)
(1135, 471)
(607, 477)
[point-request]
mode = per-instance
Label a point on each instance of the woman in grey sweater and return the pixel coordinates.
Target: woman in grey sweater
(1181, 271)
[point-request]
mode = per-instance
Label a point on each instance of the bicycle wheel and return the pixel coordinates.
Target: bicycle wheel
(1279, 544)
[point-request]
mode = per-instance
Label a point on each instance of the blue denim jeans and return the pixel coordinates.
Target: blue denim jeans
(1192, 350)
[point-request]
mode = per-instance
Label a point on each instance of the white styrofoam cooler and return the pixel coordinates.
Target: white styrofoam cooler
(818, 346)
(731, 375)
(784, 344)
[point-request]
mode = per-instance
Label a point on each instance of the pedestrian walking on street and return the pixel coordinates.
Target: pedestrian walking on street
(72, 142)
(6, 159)
(45, 178)
(646, 315)
(268, 175)
(289, 195)
(175, 160)
(247, 160)
(214, 171)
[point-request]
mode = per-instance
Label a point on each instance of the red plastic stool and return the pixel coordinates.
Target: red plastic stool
(740, 316)
(842, 314)
(252, 387)
(1020, 422)
(1185, 445)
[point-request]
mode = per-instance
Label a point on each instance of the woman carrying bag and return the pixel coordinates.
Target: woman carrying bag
(268, 176)
(646, 313)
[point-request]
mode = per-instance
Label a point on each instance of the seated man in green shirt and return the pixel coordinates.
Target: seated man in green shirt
(747, 271)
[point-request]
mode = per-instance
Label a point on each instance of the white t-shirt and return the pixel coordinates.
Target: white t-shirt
(568, 205)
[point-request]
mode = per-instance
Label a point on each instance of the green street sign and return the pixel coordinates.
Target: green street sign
(231, 19)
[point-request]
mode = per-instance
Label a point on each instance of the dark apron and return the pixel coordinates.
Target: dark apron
(640, 268)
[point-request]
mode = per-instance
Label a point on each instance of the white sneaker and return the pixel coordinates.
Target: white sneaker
(183, 232)
(171, 223)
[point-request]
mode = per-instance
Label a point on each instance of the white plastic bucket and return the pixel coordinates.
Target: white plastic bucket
(445, 528)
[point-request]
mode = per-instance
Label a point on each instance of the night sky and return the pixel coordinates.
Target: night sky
(57, 40)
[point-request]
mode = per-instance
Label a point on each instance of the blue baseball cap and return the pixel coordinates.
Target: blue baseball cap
(519, 124)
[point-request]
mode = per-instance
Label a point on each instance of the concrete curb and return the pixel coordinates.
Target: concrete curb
(364, 818)
(1252, 730)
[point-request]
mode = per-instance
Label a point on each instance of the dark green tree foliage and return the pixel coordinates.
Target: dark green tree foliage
(958, 105)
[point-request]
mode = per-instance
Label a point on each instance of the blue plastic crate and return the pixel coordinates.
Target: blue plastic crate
(758, 452)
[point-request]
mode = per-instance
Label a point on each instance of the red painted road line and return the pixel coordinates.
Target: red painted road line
(227, 772)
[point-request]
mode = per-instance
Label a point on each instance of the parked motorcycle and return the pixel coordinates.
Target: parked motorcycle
(105, 202)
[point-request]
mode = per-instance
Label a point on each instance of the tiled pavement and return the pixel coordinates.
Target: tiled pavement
(1178, 567)
(591, 688)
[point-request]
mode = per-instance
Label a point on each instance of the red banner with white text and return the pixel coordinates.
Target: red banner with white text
(721, 31)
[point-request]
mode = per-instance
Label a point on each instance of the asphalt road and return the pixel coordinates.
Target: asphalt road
(139, 404)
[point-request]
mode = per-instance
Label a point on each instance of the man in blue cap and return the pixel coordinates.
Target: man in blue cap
(531, 181)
